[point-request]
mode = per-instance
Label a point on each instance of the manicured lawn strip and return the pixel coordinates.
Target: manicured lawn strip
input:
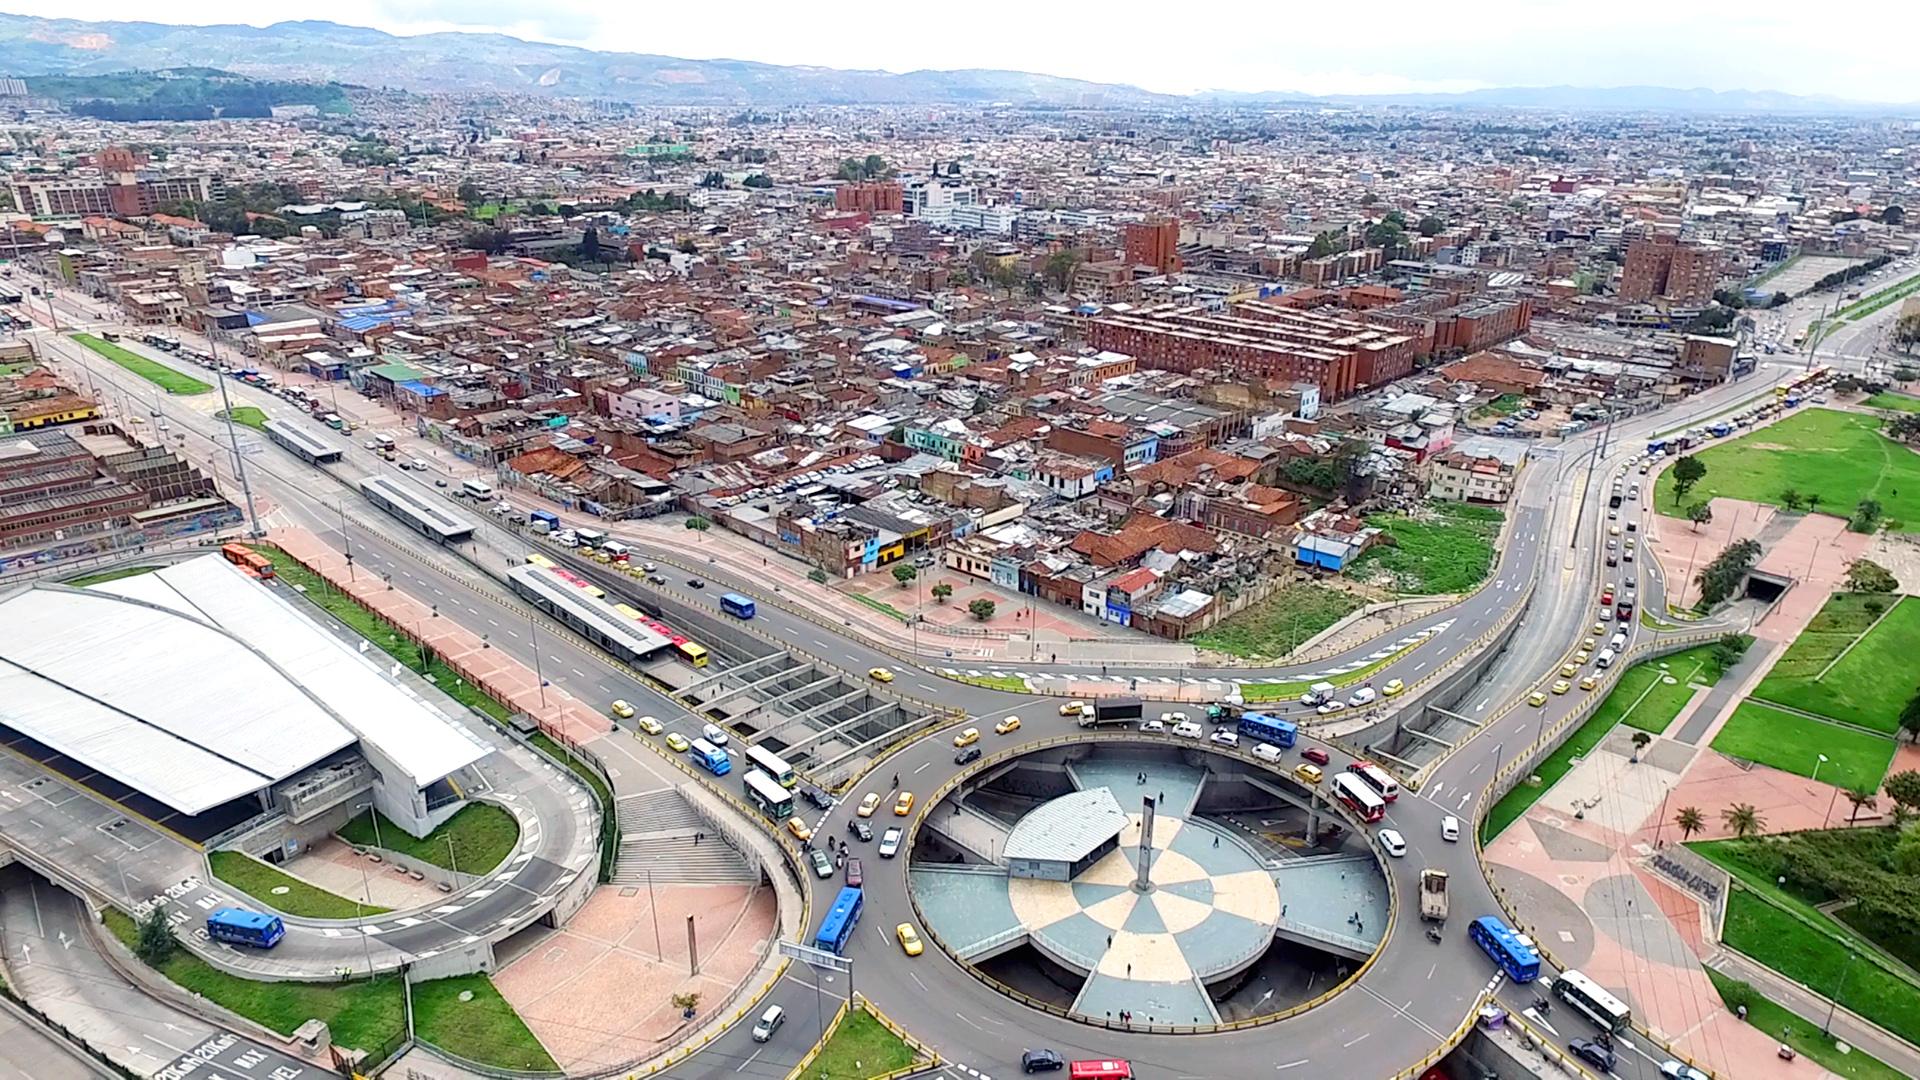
(1873, 302)
(1010, 683)
(173, 382)
(248, 415)
(1515, 803)
(879, 605)
(1794, 744)
(1842, 457)
(258, 880)
(1450, 552)
(1804, 1036)
(360, 1014)
(1651, 702)
(1774, 937)
(483, 1029)
(483, 836)
(1869, 685)
(863, 1039)
(1895, 402)
(109, 575)
(1277, 625)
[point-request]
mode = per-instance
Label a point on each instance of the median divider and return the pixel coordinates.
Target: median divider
(925, 1058)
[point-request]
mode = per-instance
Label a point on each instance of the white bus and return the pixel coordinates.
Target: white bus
(1376, 778)
(479, 489)
(1586, 995)
(1359, 797)
(768, 797)
(761, 759)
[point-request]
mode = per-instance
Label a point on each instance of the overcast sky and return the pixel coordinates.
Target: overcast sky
(1387, 46)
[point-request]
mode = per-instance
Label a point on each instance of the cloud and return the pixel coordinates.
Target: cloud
(547, 21)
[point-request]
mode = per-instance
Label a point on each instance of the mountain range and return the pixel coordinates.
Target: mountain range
(479, 63)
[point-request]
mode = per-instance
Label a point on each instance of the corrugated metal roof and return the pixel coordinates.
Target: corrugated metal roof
(1068, 828)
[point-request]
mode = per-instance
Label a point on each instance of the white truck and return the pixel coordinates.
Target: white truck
(1319, 693)
(1433, 894)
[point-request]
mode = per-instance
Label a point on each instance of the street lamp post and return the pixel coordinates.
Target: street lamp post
(1833, 1003)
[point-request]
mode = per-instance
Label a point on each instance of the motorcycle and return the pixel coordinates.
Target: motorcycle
(1433, 934)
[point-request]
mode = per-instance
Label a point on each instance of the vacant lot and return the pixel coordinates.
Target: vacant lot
(1841, 457)
(1793, 743)
(1277, 625)
(1448, 548)
(154, 372)
(1871, 683)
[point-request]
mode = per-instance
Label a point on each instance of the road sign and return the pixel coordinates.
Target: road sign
(819, 958)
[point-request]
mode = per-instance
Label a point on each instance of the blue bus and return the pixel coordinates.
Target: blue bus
(1511, 950)
(1268, 729)
(740, 607)
(837, 927)
(711, 758)
(1656, 446)
(245, 928)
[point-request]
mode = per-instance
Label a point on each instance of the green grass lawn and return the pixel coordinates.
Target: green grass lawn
(1804, 1036)
(248, 415)
(483, 1028)
(258, 880)
(1871, 683)
(1013, 684)
(1842, 457)
(1278, 624)
(1447, 549)
(1794, 744)
(879, 605)
(1895, 402)
(1646, 700)
(863, 1039)
(1762, 864)
(483, 836)
(1515, 802)
(109, 575)
(159, 374)
(1775, 937)
(363, 1015)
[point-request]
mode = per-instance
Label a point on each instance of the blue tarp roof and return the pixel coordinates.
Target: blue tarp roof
(887, 301)
(421, 389)
(254, 318)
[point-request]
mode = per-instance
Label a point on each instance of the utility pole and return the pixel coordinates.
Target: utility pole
(233, 436)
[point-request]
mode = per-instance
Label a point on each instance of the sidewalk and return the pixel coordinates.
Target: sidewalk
(1848, 1028)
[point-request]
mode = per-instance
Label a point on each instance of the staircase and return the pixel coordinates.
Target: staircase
(657, 830)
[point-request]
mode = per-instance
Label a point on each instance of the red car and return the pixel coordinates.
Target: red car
(1318, 757)
(1606, 597)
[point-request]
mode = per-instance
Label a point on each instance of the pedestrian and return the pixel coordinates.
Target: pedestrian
(1216, 841)
(1129, 971)
(1056, 656)
(896, 780)
(1161, 799)
(1109, 941)
(696, 839)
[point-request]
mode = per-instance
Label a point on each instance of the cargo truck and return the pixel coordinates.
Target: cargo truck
(1433, 894)
(1111, 711)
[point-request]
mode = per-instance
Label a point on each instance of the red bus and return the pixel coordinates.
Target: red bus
(1359, 797)
(1376, 778)
(1100, 1070)
(250, 562)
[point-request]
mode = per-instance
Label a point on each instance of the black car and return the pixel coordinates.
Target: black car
(817, 797)
(656, 579)
(1034, 1061)
(860, 829)
(1593, 1053)
(1612, 560)
(971, 753)
(695, 583)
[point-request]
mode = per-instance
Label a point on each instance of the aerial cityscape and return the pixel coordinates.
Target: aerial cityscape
(529, 549)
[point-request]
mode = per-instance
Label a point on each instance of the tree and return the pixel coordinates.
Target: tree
(713, 179)
(1700, 513)
(1729, 648)
(1432, 226)
(981, 609)
(1866, 516)
(1719, 578)
(1865, 575)
(1321, 247)
(904, 573)
(1792, 499)
(1690, 821)
(469, 194)
(1060, 268)
(156, 942)
(1742, 819)
(1910, 717)
(1903, 788)
(757, 180)
(1860, 797)
(941, 592)
(699, 524)
(817, 576)
(1687, 471)
(590, 244)
(1893, 215)
(1780, 299)
(1813, 502)
(1640, 741)
(688, 246)
(1385, 234)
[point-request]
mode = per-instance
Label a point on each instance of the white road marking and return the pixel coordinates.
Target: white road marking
(922, 768)
(1291, 1064)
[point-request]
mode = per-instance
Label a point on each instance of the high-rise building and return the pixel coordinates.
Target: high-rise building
(872, 198)
(1661, 266)
(1154, 244)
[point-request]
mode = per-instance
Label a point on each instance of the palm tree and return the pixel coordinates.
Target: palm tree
(1742, 819)
(1813, 503)
(1690, 821)
(1792, 499)
(1860, 797)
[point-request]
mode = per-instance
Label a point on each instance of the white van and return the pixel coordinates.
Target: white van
(1187, 729)
(1362, 696)
(1267, 752)
(713, 734)
(1619, 642)
(770, 1022)
(1604, 660)
(479, 489)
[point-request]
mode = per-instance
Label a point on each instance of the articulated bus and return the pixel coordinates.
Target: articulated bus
(768, 797)
(1376, 778)
(250, 562)
(837, 928)
(761, 759)
(540, 560)
(242, 927)
(684, 647)
(711, 758)
(1592, 1000)
(1513, 951)
(1359, 797)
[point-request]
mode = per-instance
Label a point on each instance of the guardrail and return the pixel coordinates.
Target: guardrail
(1334, 809)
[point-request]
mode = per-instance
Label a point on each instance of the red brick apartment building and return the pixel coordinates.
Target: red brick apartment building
(1260, 341)
(1154, 244)
(1662, 266)
(871, 198)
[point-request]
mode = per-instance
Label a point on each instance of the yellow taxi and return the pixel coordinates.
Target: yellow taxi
(1306, 773)
(1568, 671)
(909, 940)
(1587, 644)
(1393, 687)
(649, 725)
(967, 737)
(869, 804)
(1589, 682)
(1011, 723)
(1073, 708)
(1537, 698)
(1562, 686)
(903, 805)
(1582, 656)
(678, 743)
(622, 710)
(1599, 630)
(799, 829)
(880, 674)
